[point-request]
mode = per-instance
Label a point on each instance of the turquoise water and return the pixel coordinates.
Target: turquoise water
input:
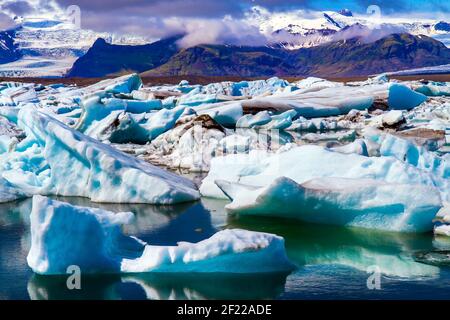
(332, 262)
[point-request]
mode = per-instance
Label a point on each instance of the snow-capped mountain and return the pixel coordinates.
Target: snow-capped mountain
(302, 28)
(48, 47)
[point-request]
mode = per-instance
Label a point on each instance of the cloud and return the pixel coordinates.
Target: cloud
(29, 7)
(208, 21)
(6, 22)
(17, 8)
(368, 33)
(214, 31)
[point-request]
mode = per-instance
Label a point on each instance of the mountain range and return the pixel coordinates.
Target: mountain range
(343, 58)
(318, 43)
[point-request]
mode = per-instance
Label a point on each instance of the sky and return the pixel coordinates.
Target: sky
(210, 21)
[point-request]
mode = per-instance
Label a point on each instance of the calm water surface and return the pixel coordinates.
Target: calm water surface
(332, 262)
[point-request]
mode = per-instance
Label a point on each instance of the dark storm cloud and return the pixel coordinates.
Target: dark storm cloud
(160, 8)
(18, 8)
(213, 8)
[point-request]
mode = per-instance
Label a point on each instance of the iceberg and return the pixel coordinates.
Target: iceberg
(362, 203)
(402, 97)
(9, 193)
(442, 230)
(162, 121)
(263, 120)
(64, 235)
(407, 151)
(250, 121)
(78, 165)
(226, 114)
(302, 163)
(434, 89)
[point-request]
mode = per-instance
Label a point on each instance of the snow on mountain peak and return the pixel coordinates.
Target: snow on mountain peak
(49, 46)
(305, 28)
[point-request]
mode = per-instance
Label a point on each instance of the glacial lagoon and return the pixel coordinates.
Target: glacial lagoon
(331, 262)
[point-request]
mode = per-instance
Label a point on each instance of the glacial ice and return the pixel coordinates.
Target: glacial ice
(262, 120)
(434, 89)
(72, 164)
(226, 114)
(442, 230)
(251, 121)
(407, 151)
(402, 97)
(64, 235)
(363, 203)
(303, 163)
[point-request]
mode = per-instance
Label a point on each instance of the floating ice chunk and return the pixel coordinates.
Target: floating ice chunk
(192, 100)
(319, 83)
(357, 147)
(226, 114)
(124, 84)
(64, 235)
(392, 118)
(82, 166)
(303, 163)
(442, 230)
(119, 127)
(161, 121)
(94, 110)
(341, 136)
(444, 214)
(402, 97)
(133, 106)
(280, 121)
(321, 103)
(434, 89)
(381, 78)
(9, 193)
(235, 144)
(348, 202)
(16, 95)
(250, 121)
(407, 151)
(258, 87)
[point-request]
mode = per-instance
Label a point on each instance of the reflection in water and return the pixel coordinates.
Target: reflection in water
(337, 254)
(357, 248)
(161, 287)
(55, 288)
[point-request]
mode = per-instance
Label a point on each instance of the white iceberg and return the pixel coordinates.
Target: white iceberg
(435, 89)
(442, 230)
(303, 163)
(65, 235)
(250, 121)
(77, 165)
(362, 203)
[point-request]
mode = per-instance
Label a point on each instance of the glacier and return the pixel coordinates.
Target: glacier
(97, 245)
